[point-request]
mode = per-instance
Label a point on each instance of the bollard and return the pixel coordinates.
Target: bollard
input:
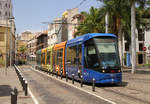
(19, 77)
(16, 93)
(72, 78)
(26, 88)
(49, 72)
(61, 74)
(21, 80)
(56, 74)
(93, 84)
(13, 98)
(52, 72)
(81, 81)
(66, 76)
(23, 84)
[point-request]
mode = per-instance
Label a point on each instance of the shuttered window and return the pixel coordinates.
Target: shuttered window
(1, 36)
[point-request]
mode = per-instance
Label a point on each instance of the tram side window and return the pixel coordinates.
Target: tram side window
(43, 58)
(72, 55)
(79, 54)
(69, 56)
(59, 56)
(55, 57)
(48, 57)
(37, 58)
(91, 59)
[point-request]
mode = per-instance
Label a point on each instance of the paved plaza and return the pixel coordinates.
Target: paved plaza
(9, 80)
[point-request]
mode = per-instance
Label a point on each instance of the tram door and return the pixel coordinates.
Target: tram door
(59, 61)
(73, 63)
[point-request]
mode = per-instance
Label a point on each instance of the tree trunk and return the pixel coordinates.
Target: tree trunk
(106, 23)
(120, 45)
(133, 36)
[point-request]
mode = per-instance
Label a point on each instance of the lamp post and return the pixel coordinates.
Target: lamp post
(6, 42)
(11, 19)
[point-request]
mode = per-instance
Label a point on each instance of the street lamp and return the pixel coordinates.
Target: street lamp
(6, 53)
(11, 19)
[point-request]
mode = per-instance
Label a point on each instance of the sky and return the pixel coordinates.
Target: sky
(29, 14)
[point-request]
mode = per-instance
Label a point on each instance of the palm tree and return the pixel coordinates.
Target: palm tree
(142, 17)
(92, 23)
(141, 3)
(118, 11)
(148, 2)
(118, 6)
(133, 35)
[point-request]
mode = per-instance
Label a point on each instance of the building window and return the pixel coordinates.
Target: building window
(1, 36)
(141, 45)
(140, 35)
(126, 46)
(6, 5)
(5, 13)
(0, 6)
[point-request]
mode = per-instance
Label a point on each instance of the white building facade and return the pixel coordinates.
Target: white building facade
(147, 46)
(54, 31)
(5, 9)
(31, 49)
(62, 29)
(72, 23)
(142, 48)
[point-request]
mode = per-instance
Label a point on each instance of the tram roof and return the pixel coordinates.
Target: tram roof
(49, 48)
(38, 51)
(60, 45)
(44, 50)
(86, 37)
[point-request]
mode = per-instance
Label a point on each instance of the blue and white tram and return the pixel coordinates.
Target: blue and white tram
(94, 55)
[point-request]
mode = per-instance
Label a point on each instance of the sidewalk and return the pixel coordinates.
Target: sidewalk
(8, 81)
(137, 71)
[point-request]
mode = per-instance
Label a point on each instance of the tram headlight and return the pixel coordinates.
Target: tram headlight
(103, 71)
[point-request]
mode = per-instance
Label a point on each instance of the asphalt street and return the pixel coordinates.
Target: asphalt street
(135, 89)
(50, 91)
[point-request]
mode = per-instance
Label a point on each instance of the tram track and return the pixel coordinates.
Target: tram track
(129, 88)
(126, 95)
(138, 90)
(139, 79)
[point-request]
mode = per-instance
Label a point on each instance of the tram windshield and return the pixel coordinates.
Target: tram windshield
(108, 52)
(101, 53)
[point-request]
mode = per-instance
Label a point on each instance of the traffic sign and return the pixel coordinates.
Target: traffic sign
(144, 48)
